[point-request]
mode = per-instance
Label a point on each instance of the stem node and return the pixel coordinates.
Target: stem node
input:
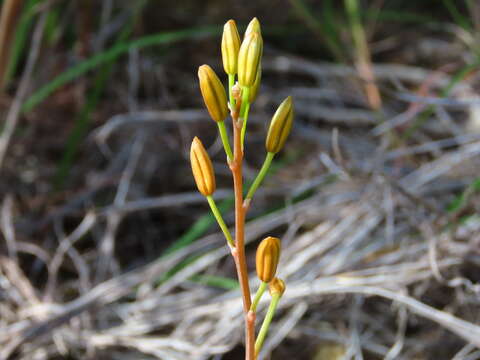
(251, 316)
(246, 204)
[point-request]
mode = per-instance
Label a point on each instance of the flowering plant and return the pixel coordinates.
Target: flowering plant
(242, 63)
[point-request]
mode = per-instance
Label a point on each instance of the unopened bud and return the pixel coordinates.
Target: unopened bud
(202, 168)
(253, 26)
(230, 47)
(280, 126)
(268, 255)
(249, 58)
(276, 286)
(213, 93)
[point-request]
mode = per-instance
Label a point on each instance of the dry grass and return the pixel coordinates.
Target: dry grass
(372, 259)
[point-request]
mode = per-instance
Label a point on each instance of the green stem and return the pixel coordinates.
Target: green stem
(244, 125)
(245, 96)
(266, 323)
(220, 221)
(261, 175)
(258, 296)
(244, 109)
(231, 83)
(224, 136)
(356, 27)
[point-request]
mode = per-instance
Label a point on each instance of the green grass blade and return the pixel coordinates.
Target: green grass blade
(112, 54)
(387, 16)
(83, 118)
(331, 26)
(461, 20)
(216, 281)
(52, 25)
(326, 32)
(461, 200)
(21, 36)
(80, 128)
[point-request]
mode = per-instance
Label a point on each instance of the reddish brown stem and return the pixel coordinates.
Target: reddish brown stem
(236, 168)
(239, 251)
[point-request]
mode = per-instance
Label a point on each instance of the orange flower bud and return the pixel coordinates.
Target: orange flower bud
(249, 58)
(268, 255)
(230, 47)
(280, 126)
(213, 93)
(256, 85)
(202, 168)
(276, 286)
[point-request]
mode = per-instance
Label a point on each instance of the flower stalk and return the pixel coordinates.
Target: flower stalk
(277, 288)
(258, 296)
(244, 110)
(231, 83)
(262, 334)
(222, 130)
(218, 216)
(242, 62)
(260, 176)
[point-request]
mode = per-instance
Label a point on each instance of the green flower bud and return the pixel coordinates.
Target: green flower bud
(280, 126)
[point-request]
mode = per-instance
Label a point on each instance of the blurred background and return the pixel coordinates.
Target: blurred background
(107, 251)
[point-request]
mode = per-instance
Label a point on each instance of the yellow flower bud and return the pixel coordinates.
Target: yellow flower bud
(280, 126)
(253, 26)
(249, 58)
(213, 93)
(276, 286)
(230, 47)
(202, 168)
(268, 254)
(256, 85)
